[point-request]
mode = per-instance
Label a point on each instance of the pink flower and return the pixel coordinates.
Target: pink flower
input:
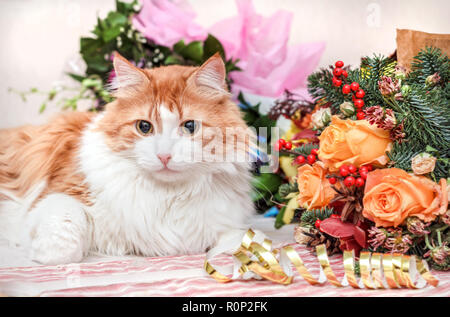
(388, 86)
(377, 237)
(260, 43)
(167, 22)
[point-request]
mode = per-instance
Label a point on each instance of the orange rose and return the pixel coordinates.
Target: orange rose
(353, 142)
(391, 195)
(315, 190)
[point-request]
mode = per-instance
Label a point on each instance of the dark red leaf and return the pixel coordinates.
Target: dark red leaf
(349, 244)
(360, 237)
(336, 228)
(305, 134)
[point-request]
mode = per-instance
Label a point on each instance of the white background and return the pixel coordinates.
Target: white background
(39, 37)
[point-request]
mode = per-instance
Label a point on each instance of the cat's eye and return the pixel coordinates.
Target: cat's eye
(190, 127)
(144, 127)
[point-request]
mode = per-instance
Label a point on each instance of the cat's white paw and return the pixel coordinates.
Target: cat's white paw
(58, 230)
(56, 245)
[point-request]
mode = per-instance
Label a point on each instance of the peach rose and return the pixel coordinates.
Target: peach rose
(353, 142)
(315, 190)
(391, 195)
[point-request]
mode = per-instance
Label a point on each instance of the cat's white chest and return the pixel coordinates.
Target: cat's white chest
(131, 214)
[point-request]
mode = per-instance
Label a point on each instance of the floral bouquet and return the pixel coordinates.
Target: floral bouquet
(368, 160)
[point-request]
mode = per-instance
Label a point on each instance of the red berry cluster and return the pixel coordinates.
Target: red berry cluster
(311, 158)
(339, 74)
(281, 144)
(358, 93)
(357, 98)
(352, 175)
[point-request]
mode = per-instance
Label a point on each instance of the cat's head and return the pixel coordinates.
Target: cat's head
(175, 122)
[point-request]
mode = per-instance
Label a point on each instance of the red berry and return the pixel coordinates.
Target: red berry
(343, 170)
(311, 158)
(349, 181)
(339, 64)
(352, 168)
(370, 167)
(300, 159)
(335, 216)
(317, 224)
(282, 142)
(363, 169)
(288, 146)
(346, 89)
(363, 174)
(359, 103)
(360, 115)
(337, 71)
(360, 93)
(354, 86)
(359, 182)
(337, 82)
(314, 151)
(344, 73)
(277, 147)
(332, 180)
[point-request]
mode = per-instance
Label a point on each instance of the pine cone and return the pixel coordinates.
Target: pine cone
(312, 237)
(352, 197)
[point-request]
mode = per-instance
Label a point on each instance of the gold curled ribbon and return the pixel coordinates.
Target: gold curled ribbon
(378, 271)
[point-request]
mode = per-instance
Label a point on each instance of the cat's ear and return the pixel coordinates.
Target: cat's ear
(126, 74)
(211, 75)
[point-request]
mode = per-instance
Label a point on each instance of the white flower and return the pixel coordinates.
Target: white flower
(423, 163)
(347, 108)
(321, 118)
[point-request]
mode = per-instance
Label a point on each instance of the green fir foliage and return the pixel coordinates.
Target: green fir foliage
(311, 216)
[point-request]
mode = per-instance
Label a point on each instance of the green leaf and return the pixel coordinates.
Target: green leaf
(76, 77)
(250, 117)
(111, 33)
(263, 121)
(193, 51)
(89, 45)
(92, 83)
(430, 149)
(172, 59)
(179, 46)
(211, 46)
(279, 219)
(51, 95)
(267, 182)
(42, 108)
(126, 7)
(257, 195)
(116, 19)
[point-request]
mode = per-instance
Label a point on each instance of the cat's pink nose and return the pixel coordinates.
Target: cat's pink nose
(164, 158)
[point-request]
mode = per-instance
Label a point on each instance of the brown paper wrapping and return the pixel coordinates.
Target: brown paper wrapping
(410, 42)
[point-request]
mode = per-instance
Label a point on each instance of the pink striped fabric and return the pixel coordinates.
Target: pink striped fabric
(179, 276)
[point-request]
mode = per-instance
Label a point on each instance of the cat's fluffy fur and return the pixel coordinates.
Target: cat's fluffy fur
(91, 182)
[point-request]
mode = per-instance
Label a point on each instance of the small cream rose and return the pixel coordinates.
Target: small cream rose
(423, 163)
(321, 118)
(347, 108)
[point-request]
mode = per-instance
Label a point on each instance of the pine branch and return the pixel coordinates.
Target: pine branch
(311, 216)
(320, 87)
(429, 61)
(305, 149)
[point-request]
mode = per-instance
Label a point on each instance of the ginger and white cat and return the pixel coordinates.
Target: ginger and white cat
(123, 181)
